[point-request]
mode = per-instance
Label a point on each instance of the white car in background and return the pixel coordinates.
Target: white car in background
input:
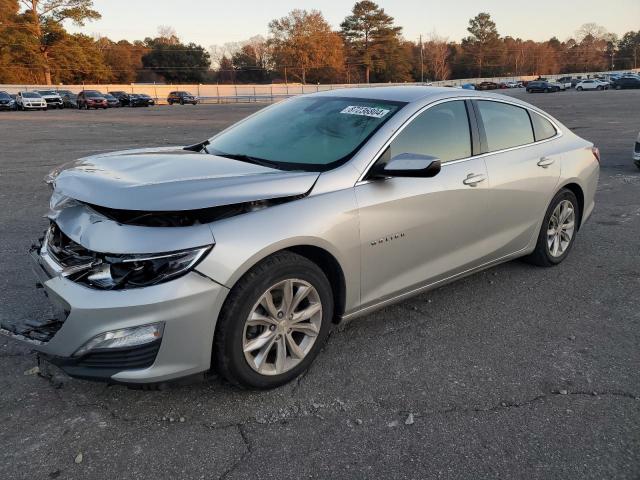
(592, 84)
(561, 86)
(53, 98)
(30, 101)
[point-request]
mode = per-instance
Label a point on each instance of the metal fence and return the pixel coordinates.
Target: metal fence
(258, 93)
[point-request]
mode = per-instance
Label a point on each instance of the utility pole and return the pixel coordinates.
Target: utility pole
(612, 55)
(421, 61)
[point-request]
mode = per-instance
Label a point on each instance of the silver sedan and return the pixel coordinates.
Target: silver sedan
(240, 252)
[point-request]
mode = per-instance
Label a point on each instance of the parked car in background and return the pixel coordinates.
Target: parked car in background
(541, 86)
(30, 101)
(592, 84)
(130, 99)
(575, 81)
(66, 95)
(112, 102)
(514, 84)
(636, 152)
(6, 102)
(53, 98)
(626, 82)
(566, 81)
(91, 99)
(467, 86)
(147, 98)
(136, 100)
(561, 86)
(181, 97)
(70, 100)
(487, 86)
(121, 96)
(156, 271)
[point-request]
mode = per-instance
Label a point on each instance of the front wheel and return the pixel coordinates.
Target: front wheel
(558, 230)
(579, 89)
(274, 322)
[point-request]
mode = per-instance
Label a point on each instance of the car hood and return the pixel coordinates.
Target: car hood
(173, 179)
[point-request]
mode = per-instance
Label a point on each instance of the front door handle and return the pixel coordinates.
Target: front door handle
(544, 162)
(472, 180)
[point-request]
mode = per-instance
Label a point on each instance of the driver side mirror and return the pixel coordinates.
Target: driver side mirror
(410, 165)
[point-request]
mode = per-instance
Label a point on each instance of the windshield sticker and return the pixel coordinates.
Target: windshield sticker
(365, 111)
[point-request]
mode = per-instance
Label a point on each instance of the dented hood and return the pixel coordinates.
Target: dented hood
(174, 179)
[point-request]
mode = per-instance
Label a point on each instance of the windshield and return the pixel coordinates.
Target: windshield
(46, 92)
(307, 133)
(4, 95)
(30, 95)
(92, 94)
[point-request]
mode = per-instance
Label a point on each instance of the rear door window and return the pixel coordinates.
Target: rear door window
(505, 125)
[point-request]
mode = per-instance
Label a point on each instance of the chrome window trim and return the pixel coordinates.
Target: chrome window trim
(559, 133)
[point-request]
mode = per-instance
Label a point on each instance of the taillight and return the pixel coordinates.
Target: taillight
(596, 153)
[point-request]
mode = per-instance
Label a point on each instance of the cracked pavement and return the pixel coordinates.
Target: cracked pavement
(515, 372)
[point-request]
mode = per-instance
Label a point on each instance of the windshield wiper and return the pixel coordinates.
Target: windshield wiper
(198, 147)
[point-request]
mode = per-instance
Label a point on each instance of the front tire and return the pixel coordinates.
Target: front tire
(558, 231)
(579, 89)
(273, 323)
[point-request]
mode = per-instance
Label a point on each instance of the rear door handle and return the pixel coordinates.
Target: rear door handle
(544, 162)
(472, 180)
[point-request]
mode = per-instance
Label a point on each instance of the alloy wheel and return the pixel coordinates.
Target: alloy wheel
(561, 228)
(282, 327)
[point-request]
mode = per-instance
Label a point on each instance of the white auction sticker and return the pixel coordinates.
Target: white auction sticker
(365, 111)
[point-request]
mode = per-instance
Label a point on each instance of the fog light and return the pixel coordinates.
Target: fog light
(125, 337)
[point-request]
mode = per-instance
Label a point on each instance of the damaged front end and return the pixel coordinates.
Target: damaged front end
(118, 261)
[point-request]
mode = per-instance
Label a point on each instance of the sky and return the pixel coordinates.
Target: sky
(215, 22)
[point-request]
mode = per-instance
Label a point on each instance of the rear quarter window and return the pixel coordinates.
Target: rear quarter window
(542, 128)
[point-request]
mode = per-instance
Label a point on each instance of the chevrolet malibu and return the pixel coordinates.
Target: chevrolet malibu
(239, 252)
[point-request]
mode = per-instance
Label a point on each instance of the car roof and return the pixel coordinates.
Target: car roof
(409, 93)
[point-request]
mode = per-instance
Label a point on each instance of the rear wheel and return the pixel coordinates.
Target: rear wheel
(579, 89)
(274, 322)
(558, 230)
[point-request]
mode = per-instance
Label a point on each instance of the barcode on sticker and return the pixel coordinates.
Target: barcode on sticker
(365, 111)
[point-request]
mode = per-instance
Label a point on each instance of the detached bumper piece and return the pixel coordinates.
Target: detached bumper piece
(103, 363)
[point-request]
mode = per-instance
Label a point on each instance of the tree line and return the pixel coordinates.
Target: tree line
(301, 47)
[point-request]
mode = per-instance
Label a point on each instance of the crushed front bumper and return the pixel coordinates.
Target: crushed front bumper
(187, 306)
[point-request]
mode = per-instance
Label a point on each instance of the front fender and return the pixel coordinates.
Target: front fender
(328, 221)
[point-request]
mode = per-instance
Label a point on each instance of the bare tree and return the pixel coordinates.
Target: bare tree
(437, 55)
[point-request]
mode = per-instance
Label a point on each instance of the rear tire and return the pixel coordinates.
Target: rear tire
(579, 89)
(548, 252)
(232, 356)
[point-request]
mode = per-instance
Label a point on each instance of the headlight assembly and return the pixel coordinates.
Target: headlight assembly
(113, 272)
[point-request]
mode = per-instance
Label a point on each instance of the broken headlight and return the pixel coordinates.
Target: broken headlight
(111, 272)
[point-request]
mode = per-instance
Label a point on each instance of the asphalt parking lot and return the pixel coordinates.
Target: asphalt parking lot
(516, 372)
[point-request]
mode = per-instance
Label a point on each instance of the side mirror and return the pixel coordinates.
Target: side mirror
(411, 165)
